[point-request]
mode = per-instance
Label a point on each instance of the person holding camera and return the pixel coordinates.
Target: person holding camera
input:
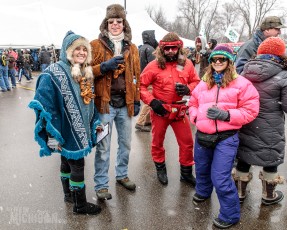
(171, 76)
(221, 103)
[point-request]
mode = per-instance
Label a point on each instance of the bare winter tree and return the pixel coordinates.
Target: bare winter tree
(251, 17)
(180, 27)
(198, 14)
(158, 16)
(228, 17)
(217, 28)
(193, 15)
(209, 25)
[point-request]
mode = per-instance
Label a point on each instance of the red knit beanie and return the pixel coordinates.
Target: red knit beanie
(272, 45)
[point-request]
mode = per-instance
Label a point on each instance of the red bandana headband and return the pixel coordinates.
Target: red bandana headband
(178, 43)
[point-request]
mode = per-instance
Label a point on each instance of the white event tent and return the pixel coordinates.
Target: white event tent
(33, 24)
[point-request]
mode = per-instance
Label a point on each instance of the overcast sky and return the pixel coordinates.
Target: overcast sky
(169, 6)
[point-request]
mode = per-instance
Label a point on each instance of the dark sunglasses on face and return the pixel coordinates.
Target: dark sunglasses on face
(118, 20)
(220, 59)
(168, 48)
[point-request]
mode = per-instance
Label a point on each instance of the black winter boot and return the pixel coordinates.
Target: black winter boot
(186, 175)
(161, 173)
(81, 206)
(66, 188)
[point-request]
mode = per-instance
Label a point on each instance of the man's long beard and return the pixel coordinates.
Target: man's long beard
(171, 58)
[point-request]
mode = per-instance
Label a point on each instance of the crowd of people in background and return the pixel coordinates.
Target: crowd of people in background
(16, 63)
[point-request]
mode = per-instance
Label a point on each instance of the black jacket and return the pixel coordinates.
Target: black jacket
(262, 142)
(147, 49)
(44, 57)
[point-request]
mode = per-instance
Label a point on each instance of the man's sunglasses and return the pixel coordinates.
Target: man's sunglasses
(220, 59)
(118, 20)
(172, 48)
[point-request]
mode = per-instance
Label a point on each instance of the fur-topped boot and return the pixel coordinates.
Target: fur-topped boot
(241, 180)
(269, 183)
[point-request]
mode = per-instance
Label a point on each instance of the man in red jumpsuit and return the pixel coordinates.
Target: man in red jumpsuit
(172, 76)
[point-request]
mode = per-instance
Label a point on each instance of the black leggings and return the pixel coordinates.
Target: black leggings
(75, 167)
(244, 167)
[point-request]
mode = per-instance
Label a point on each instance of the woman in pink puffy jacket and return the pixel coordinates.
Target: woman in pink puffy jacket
(220, 104)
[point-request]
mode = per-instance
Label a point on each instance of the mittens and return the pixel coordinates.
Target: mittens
(111, 64)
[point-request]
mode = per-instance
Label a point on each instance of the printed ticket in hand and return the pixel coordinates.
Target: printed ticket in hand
(103, 134)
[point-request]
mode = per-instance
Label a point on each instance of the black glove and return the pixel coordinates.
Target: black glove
(111, 64)
(181, 89)
(157, 107)
(137, 106)
(215, 113)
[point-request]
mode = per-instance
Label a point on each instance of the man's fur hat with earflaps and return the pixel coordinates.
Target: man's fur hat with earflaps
(170, 39)
(116, 11)
(70, 43)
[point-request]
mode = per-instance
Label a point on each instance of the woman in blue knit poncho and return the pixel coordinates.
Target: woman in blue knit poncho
(66, 118)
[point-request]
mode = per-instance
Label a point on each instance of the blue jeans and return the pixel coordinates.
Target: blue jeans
(102, 157)
(213, 168)
(12, 75)
(43, 67)
(23, 71)
(4, 82)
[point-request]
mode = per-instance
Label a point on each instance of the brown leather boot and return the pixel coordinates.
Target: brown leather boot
(269, 183)
(143, 128)
(241, 180)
